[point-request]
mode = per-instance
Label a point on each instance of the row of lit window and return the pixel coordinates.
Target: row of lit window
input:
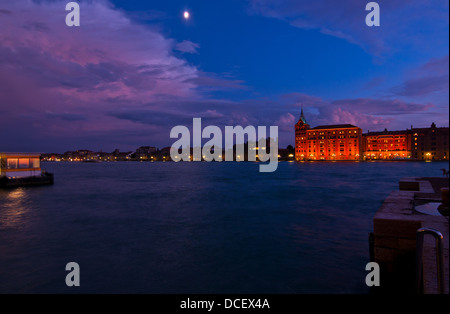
(334, 132)
(22, 163)
(385, 141)
(385, 145)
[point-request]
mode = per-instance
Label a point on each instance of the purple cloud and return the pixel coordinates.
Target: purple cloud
(381, 107)
(367, 113)
(109, 55)
(66, 116)
(430, 78)
(370, 113)
(286, 122)
(110, 75)
(187, 46)
(208, 81)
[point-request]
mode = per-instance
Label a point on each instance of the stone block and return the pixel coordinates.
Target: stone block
(404, 244)
(391, 227)
(409, 185)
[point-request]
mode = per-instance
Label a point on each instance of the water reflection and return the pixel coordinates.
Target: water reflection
(13, 208)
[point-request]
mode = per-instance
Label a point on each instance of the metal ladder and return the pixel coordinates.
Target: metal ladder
(420, 235)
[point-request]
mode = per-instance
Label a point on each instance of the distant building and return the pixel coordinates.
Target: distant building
(430, 143)
(145, 152)
(327, 142)
(79, 155)
(346, 142)
(387, 145)
(18, 165)
(164, 154)
(285, 154)
(123, 156)
(247, 148)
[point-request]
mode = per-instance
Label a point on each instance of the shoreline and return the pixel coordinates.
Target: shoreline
(294, 161)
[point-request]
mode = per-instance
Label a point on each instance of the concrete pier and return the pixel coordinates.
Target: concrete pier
(395, 225)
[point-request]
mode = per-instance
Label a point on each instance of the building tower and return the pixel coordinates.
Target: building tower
(301, 143)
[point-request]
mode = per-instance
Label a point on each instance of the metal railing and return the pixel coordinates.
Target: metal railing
(420, 235)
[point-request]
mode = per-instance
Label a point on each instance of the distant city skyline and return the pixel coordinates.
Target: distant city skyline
(134, 69)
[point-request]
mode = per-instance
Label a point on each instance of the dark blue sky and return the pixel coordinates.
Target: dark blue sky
(135, 69)
(271, 56)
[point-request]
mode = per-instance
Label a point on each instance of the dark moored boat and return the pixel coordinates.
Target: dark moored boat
(43, 179)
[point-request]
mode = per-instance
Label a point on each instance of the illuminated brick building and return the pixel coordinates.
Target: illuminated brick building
(430, 143)
(346, 142)
(328, 142)
(387, 145)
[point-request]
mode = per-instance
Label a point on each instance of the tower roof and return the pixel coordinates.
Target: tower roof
(302, 116)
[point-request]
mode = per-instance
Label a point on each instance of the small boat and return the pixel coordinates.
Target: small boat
(22, 169)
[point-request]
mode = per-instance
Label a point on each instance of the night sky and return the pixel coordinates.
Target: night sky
(135, 69)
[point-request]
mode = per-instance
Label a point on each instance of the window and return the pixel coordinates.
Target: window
(34, 162)
(12, 163)
(24, 163)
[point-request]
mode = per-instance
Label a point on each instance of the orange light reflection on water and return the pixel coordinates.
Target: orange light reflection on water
(13, 208)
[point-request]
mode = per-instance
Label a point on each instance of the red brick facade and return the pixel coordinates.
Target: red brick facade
(331, 142)
(387, 145)
(346, 142)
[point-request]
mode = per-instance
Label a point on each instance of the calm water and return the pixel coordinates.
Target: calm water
(196, 227)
